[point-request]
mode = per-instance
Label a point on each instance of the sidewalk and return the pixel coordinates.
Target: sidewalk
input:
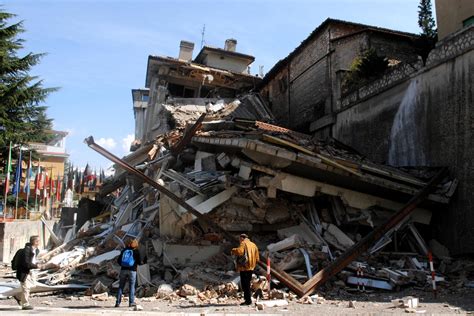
(95, 310)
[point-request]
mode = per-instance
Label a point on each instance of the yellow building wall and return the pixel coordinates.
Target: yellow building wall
(54, 165)
(450, 15)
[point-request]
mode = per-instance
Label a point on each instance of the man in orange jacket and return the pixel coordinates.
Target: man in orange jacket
(246, 266)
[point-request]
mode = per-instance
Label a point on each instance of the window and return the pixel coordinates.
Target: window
(468, 21)
(188, 93)
(145, 97)
(180, 91)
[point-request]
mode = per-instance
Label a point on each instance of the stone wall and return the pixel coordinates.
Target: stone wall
(394, 76)
(307, 95)
(276, 93)
(14, 235)
(430, 115)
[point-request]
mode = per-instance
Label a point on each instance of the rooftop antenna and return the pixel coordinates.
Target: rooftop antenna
(202, 34)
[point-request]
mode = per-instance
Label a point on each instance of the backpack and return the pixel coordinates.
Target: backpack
(127, 258)
(18, 258)
(244, 259)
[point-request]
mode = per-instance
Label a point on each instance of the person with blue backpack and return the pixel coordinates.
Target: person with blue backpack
(128, 260)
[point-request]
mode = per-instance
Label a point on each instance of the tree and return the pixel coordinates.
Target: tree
(365, 67)
(429, 34)
(22, 117)
(426, 21)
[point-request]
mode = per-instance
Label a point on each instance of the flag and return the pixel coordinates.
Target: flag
(29, 173)
(88, 173)
(45, 185)
(58, 189)
(9, 169)
(39, 180)
(51, 184)
(101, 176)
(77, 181)
(93, 183)
(16, 187)
(37, 183)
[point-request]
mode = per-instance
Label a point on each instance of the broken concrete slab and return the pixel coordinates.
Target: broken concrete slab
(303, 231)
(294, 241)
(270, 303)
(200, 155)
(405, 302)
(143, 275)
(334, 236)
(216, 200)
(188, 255)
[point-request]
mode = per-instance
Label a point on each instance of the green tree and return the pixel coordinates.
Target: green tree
(22, 117)
(364, 68)
(425, 20)
(429, 34)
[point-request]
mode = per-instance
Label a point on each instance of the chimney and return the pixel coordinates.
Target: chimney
(230, 44)
(186, 50)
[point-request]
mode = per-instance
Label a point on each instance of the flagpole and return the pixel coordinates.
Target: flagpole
(28, 173)
(7, 179)
(17, 185)
(37, 183)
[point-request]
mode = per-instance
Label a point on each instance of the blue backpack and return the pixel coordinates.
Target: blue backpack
(127, 258)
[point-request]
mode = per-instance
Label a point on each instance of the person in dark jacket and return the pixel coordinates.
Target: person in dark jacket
(24, 274)
(129, 273)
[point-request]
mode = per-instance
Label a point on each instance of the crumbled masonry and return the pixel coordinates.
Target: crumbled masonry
(305, 202)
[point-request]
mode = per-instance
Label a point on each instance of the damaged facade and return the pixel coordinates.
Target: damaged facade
(214, 73)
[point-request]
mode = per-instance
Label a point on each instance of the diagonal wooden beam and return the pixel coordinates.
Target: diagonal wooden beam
(285, 278)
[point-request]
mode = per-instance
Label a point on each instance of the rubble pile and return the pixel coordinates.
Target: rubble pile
(304, 201)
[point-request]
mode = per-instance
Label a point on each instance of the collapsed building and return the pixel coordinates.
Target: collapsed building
(209, 163)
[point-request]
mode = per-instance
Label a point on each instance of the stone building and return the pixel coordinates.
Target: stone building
(422, 116)
(302, 89)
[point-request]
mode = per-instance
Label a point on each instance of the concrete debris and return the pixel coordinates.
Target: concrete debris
(100, 297)
(164, 290)
(138, 308)
(98, 287)
(306, 201)
(270, 303)
(187, 290)
(406, 302)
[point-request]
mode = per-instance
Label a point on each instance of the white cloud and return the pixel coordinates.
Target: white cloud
(108, 143)
(127, 141)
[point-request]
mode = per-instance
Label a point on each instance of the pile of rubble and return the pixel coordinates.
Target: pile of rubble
(219, 168)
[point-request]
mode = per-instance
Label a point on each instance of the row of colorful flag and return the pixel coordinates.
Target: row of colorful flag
(45, 185)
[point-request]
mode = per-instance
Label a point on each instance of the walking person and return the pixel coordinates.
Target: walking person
(128, 260)
(26, 263)
(247, 258)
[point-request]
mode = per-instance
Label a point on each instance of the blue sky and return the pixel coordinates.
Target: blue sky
(98, 50)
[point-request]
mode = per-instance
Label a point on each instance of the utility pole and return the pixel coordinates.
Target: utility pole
(203, 31)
